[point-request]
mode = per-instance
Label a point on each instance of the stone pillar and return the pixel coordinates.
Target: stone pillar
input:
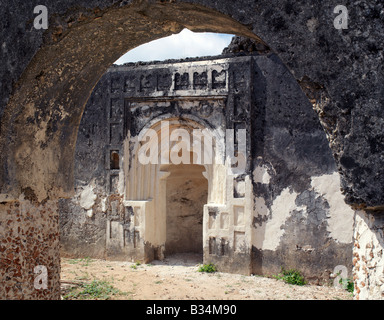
(29, 251)
(368, 260)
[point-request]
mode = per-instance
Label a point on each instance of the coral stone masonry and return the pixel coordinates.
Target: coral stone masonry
(293, 175)
(273, 202)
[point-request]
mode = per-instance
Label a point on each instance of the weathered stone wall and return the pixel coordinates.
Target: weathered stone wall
(83, 217)
(30, 239)
(47, 76)
(368, 262)
(299, 218)
(345, 66)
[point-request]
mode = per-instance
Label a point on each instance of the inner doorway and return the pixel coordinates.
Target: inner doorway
(186, 195)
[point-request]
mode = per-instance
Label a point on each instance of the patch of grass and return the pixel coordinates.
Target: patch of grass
(347, 284)
(209, 268)
(134, 266)
(83, 261)
(73, 261)
(95, 290)
(291, 276)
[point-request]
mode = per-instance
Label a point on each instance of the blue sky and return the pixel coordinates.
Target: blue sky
(182, 45)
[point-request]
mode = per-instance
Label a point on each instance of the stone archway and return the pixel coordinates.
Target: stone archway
(48, 77)
(66, 61)
(148, 188)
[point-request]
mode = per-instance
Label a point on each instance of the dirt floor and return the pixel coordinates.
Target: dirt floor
(177, 278)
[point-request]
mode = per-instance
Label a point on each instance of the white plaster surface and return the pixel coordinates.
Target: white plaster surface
(261, 175)
(104, 205)
(340, 220)
(87, 197)
(281, 209)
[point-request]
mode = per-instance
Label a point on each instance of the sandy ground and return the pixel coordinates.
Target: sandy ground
(177, 278)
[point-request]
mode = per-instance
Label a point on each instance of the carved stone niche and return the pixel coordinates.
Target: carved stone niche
(115, 84)
(148, 82)
(219, 79)
(239, 187)
(130, 83)
(164, 80)
(116, 111)
(181, 81)
(200, 81)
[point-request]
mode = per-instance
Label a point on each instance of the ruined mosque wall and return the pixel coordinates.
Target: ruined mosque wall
(298, 215)
(47, 76)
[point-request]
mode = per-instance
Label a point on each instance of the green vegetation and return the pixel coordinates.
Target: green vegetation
(95, 290)
(83, 261)
(347, 284)
(134, 266)
(291, 276)
(210, 268)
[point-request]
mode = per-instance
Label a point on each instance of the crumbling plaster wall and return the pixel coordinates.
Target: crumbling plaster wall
(300, 219)
(47, 77)
(345, 64)
(83, 217)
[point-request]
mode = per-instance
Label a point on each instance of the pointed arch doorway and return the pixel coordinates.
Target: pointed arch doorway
(187, 207)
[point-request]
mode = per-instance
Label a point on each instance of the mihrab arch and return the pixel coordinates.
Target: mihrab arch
(162, 104)
(47, 77)
(147, 184)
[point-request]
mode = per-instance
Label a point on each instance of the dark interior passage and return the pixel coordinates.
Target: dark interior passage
(187, 192)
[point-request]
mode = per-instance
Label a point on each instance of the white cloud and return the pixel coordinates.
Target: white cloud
(178, 46)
